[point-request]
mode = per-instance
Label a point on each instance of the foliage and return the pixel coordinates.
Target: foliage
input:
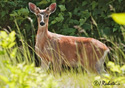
(112, 79)
(7, 41)
(20, 75)
(116, 68)
(119, 18)
(89, 18)
(92, 16)
(78, 18)
(27, 76)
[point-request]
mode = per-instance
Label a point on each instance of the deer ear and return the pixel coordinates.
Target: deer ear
(33, 8)
(52, 7)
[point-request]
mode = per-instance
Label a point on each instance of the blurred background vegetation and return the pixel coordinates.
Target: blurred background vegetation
(91, 15)
(86, 18)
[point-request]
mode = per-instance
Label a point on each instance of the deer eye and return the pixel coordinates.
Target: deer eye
(47, 15)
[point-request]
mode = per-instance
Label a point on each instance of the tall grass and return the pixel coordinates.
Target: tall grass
(17, 66)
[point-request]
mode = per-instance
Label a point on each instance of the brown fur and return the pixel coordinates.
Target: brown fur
(68, 50)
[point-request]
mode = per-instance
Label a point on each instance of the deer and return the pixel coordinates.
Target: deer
(61, 50)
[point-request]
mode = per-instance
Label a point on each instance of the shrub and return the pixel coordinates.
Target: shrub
(27, 76)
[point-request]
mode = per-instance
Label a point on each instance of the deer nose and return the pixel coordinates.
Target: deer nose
(42, 23)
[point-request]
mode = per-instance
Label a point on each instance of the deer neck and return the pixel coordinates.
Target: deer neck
(42, 30)
(42, 36)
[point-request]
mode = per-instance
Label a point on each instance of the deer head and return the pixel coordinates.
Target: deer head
(42, 14)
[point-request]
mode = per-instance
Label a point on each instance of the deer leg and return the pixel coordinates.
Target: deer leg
(45, 64)
(99, 66)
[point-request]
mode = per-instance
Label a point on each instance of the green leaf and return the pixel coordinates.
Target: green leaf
(110, 64)
(84, 3)
(86, 14)
(43, 2)
(119, 18)
(3, 34)
(11, 44)
(113, 67)
(62, 7)
(23, 11)
(60, 17)
(2, 52)
(12, 34)
(114, 29)
(116, 69)
(3, 13)
(48, 0)
(53, 22)
(13, 14)
(120, 1)
(94, 4)
(5, 79)
(82, 21)
(70, 14)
